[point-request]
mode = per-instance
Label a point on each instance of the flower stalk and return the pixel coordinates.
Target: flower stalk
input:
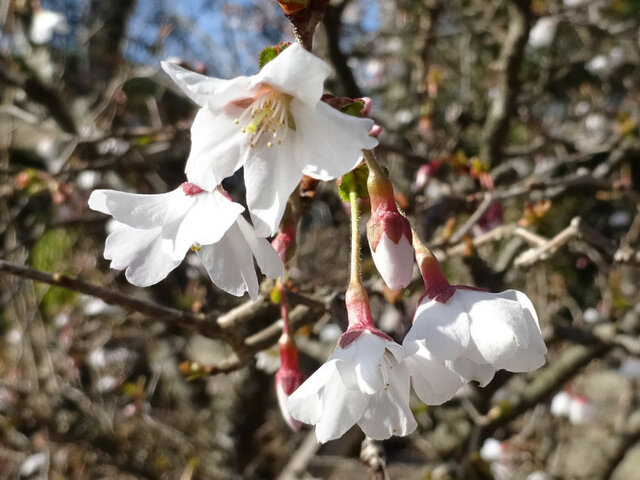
(436, 285)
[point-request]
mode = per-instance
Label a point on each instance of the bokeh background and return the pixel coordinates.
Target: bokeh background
(510, 130)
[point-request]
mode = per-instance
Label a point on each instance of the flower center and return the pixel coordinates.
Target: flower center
(269, 118)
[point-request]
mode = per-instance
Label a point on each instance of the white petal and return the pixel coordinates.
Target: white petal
(524, 360)
(432, 381)
(229, 264)
(533, 324)
(140, 253)
(366, 364)
(329, 143)
(141, 211)
(313, 385)
(498, 325)
(297, 73)
(443, 327)
(218, 149)
(389, 412)
(394, 261)
(267, 258)
(469, 370)
(206, 90)
(209, 218)
(341, 409)
(282, 403)
(270, 176)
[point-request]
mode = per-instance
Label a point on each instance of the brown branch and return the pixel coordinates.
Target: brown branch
(197, 322)
(333, 26)
(508, 84)
(305, 21)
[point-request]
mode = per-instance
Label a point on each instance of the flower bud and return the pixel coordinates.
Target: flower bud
(288, 378)
(389, 233)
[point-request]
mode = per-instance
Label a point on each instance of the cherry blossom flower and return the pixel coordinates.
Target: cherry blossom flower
(156, 231)
(274, 124)
(474, 332)
(364, 381)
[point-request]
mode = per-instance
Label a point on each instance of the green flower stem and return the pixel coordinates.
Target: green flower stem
(356, 270)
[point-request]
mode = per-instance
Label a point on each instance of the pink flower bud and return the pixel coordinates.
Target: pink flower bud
(389, 235)
(375, 131)
(285, 243)
(288, 378)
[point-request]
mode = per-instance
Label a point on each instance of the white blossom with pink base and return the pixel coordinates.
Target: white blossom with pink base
(156, 232)
(472, 333)
(363, 382)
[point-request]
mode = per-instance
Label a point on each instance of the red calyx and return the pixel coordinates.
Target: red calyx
(359, 315)
(191, 189)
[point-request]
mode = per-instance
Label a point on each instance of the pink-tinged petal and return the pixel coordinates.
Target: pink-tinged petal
(217, 149)
(480, 372)
(229, 265)
(443, 327)
(394, 261)
(282, 403)
(270, 177)
(140, 253)
(267, 258)
(328, 142)
(206, 90)
(295, 72)
(389, 412)
(141, 211)
(341, 409)
(432, 381)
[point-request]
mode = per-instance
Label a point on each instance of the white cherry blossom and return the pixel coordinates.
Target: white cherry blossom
(364, 382)
(274, 124)
(476, 333)
(155, 232)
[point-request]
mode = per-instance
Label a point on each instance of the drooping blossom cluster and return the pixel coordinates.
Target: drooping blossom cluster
(277, 128)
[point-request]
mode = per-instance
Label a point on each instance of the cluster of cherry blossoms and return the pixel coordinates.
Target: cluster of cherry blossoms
(273, 125)
(276, 126)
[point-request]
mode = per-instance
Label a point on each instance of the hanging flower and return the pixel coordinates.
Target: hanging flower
(274, 124)
(364, 381)
(156, 231)
(473, 332)
(388, 232)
